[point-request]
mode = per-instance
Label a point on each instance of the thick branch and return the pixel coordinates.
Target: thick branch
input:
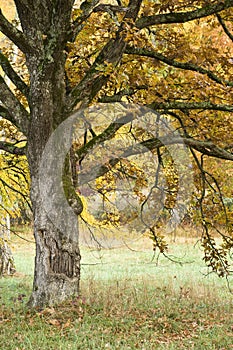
(176, 64)
(11, 148)
(189, 106)
(87, 8)
(112, 52)
(182, 17)
(107, 134)
(110, 8)
(118, 96)
(15, 35)
(204, 147)
(226, 30)
(111, 130)
(14, 111)
(12, 75)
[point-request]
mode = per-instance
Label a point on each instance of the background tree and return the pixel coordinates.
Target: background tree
(173, 57)
(14, 189)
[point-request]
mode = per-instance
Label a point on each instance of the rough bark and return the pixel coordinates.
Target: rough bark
(57, 262)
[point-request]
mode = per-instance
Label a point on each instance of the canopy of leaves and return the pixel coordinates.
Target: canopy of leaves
(174, 57)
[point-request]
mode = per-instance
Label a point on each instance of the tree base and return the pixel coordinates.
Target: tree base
(57, 269)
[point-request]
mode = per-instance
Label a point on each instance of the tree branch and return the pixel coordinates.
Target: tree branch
(107, 134)
(14, 111)
(118, 96)
(226, 30)
(87, 8)
(11, 148)
(111, 130)
(182, 17)
(111, 54)
(13, 76)
(110, 8)
(185, 66)
(204, 147)
(15, 35)
(189, 106)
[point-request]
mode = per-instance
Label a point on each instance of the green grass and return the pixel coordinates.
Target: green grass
(127, 301)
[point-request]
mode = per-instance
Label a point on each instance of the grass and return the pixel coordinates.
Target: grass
(127, 301)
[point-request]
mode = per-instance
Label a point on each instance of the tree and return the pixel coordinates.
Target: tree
(136, 51)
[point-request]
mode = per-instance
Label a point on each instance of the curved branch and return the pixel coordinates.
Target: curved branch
(15, 35)
(111, 130)
(204, 147)
(182, 17)
(14, 111)
(226, 30)
(13, 76)
(185, 66)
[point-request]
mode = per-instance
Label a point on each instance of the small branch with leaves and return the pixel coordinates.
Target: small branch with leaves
(171, 62)
(182, 17)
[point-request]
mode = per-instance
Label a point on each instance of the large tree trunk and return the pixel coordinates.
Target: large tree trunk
(47, 29)
(57, 263)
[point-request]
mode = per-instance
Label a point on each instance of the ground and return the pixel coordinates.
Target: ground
(128, 300)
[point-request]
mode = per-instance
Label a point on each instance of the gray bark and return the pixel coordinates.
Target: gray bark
(57, 262)
(7, 266)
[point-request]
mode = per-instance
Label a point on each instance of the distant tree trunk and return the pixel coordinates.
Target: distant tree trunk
(7, 266)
